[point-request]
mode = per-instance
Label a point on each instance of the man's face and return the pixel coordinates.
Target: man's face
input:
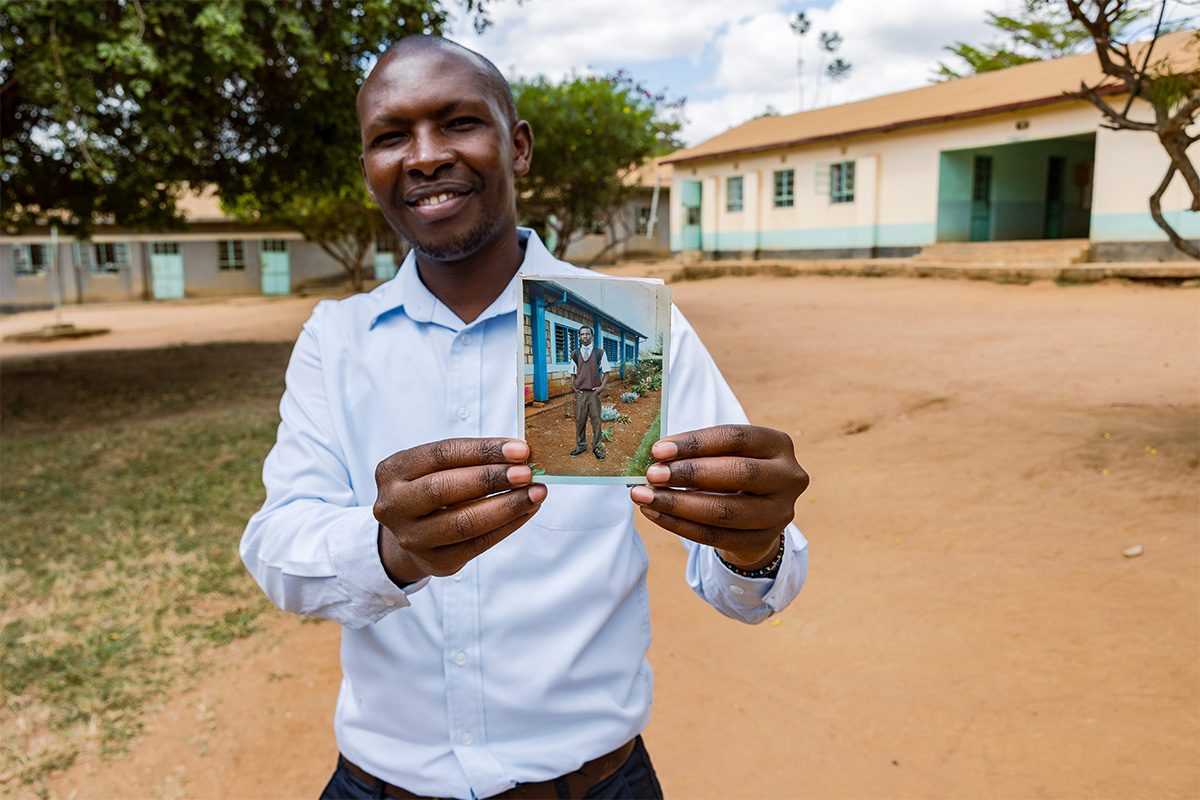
(585, 337)
(439, 153)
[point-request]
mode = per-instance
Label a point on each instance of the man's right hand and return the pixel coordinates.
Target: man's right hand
(441, 504)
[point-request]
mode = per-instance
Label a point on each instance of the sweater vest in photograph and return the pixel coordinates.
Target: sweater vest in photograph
(587, 373)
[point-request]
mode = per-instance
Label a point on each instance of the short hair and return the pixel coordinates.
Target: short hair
(496, 81)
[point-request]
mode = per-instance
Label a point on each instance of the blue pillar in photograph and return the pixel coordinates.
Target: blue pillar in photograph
(541, 383)
(622, 354)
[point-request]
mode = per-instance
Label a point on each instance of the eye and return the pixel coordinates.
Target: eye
(464, 123)
(386, 138)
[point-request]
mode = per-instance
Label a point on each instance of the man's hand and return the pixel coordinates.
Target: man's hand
(739, 482)
(442, 504)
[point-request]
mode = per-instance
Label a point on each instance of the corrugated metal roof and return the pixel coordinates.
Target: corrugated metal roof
(1028, 85)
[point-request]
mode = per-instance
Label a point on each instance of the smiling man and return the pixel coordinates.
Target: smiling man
(494, 633)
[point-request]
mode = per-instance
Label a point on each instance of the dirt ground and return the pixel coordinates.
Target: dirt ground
(981, 457)
(550, 432)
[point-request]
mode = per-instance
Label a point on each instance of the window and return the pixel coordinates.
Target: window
(111, 257)
(785, 188)
(693, 215)
(611, 348)
(630, 352)
(643, 220)
(566, 339)
(841, 182)
(274, 246)
(231, 254)
(387, 243)
(30, 259)
(733, 193)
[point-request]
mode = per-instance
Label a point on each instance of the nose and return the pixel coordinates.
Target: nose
(428, 152)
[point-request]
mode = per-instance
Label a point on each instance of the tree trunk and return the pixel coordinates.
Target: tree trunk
(1181, 244)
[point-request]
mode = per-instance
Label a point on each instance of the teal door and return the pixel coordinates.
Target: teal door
(690, 196)
(276, 268)
(1056, 173)
(981, 200)
(166, 270)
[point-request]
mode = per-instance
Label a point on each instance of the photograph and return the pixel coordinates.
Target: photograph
(594, 376)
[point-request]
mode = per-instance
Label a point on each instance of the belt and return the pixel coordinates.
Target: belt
(577, 783)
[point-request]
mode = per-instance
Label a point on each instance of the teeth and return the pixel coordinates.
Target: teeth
(437, 199)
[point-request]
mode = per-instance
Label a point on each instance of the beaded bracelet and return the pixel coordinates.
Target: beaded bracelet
(764, 572)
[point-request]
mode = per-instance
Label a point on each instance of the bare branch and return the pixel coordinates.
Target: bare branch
(1181, 244)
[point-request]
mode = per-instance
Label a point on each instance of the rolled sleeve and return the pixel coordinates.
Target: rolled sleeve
(750, 600)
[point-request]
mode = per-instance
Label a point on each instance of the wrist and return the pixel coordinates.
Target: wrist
(399, 565)
(765, 566)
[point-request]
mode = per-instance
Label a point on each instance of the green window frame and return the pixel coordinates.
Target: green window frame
(841, 182)
(231, 254)
(110, 257)
(30, 259)
(733, 193)
(785, 188)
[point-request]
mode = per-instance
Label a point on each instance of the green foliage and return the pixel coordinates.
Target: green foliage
(641, 459)
(110, 107)
(1040, 30)
(590, 133)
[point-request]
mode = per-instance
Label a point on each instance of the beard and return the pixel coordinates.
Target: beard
(455, 247)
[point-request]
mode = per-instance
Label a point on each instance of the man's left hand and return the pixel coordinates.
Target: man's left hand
(734, 487)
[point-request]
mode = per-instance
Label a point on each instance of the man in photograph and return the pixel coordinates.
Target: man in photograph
(493, 630)
(589, 376)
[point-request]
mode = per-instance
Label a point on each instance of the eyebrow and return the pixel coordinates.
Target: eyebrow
(449, 109)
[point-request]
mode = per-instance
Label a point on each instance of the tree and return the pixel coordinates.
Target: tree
(1171, 94)
(589, 133)
(829, 42)
(110, 107)
(1041, 30)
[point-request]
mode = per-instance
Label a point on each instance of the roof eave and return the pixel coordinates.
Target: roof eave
(896, 126)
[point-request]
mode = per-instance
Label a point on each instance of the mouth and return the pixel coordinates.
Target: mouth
(437, 199)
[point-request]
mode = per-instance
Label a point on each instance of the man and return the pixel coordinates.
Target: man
(589, 376)
(493, 637)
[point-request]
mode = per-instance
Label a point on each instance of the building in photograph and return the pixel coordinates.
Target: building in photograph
(215, 256)
(553, 316)
(1007, 155)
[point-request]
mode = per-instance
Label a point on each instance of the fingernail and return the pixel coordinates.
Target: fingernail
(518, 475)
(650, 513)
(663, 450)
(641, 495)
(658, 473)
(515, 449)
(537, 492)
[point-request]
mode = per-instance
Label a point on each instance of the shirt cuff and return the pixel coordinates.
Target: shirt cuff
(355, 557)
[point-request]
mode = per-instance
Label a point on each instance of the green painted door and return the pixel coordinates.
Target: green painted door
(1056, 173)
(385, 266)
(981, 200)
(276, 268)
(690, 196)
(166, 270)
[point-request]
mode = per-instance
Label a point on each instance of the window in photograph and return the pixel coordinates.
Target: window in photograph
(841, 182)
(611, 349)
(231, 254)
(785, 188)
(566, 339)
(630, 352)
(30, 259)
(733, 193)
(111, 257)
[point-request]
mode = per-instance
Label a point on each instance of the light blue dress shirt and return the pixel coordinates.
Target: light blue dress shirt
(531, 660)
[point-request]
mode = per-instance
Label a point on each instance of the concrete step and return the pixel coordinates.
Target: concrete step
(1007, 253)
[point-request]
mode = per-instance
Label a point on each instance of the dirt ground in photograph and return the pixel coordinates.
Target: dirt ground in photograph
(982, 457)
(550, 432)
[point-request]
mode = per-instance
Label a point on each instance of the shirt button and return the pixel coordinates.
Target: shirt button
(466, 339)
(466, 738)
(460, 658)
(737, 590)
(387, 601)
(458, 576)
(463, 412)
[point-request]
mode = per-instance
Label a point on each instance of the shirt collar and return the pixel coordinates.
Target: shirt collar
(407, 293)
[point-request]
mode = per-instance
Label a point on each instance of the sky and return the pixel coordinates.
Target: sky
(732, 60)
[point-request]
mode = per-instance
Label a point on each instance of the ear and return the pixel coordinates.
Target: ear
(362, 165)
(522, 139)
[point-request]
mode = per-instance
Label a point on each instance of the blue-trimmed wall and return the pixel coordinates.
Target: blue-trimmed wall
(852, 237)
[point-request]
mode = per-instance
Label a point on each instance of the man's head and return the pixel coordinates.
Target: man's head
(585, 336)
(441, 146)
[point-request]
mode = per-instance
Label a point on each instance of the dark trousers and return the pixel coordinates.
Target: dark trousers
(634, 780)
(587, 406)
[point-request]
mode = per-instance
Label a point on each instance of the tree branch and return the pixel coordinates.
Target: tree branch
(1181, 244)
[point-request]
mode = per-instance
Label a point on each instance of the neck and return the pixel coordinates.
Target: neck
(467, 286)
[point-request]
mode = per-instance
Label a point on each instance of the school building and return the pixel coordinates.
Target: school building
(553, 317)
(1007, 155)
(215, 256)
